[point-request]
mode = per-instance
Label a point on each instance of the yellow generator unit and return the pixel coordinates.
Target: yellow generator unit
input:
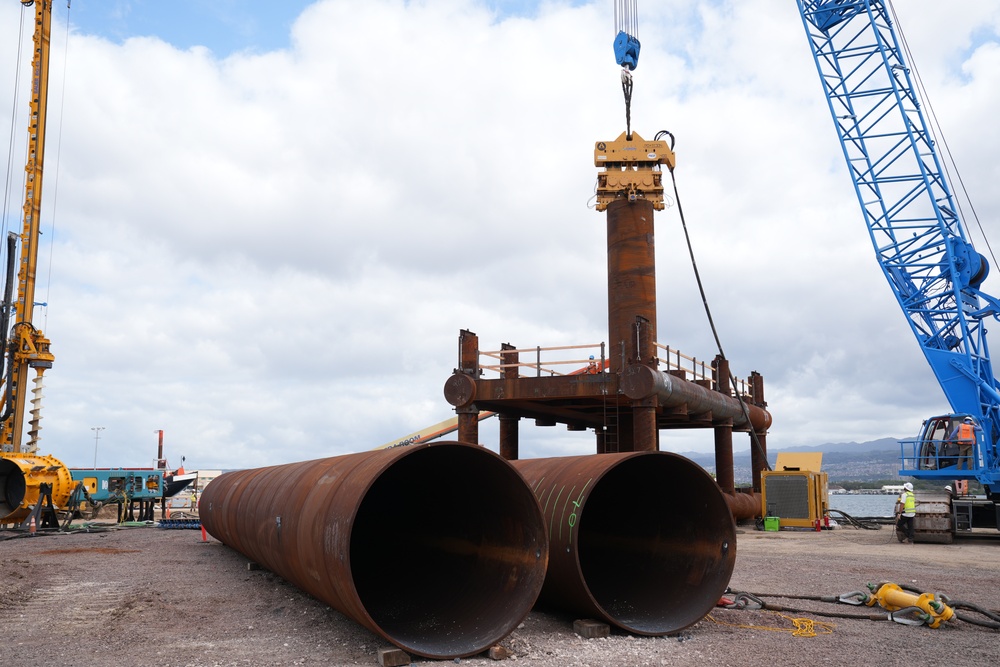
(796, 491)
(21, 477)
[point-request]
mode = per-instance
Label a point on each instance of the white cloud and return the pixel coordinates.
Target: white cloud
(270, 256)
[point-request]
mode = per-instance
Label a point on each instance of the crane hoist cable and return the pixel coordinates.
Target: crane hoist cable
(626, 47)
(939, 137)
(755, 441)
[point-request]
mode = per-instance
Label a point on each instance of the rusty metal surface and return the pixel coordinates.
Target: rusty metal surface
(758, 446)
(744, 505)
(460, 390)
(725, 472)
(631, 278)
(640, 382)
(439, 548)
(644, 540)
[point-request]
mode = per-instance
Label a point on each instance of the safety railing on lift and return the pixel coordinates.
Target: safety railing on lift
(948, 456)
(567, 360)
(531, 358)
(694, 369)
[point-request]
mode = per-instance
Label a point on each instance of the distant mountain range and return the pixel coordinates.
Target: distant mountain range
(842, 461)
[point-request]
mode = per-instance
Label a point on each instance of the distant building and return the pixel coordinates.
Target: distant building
(187, 500)
(204, 477)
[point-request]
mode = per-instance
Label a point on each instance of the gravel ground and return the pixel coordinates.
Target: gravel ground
(152, 597)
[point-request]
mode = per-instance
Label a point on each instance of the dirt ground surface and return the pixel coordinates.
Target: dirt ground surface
(145, 596)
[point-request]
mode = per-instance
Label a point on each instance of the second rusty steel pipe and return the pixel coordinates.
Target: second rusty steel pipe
(439, 548)
(639, 382)
(643, 540)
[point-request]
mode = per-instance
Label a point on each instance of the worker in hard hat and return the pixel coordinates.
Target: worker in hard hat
(592, 366)
(906, 509)
(965, 435)
(948, 451)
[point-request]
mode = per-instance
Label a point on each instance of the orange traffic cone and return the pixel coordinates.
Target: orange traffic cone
(31, 526)
(204, 535)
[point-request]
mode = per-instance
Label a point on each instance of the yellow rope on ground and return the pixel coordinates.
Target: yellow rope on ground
(804, 627)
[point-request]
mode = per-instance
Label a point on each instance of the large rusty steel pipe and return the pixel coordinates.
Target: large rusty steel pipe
(744, 505)
(439, 548)
(644, 540)
(639, 382)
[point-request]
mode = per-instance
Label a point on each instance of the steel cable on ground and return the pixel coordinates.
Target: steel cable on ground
(994, 616)
(71, 530)
(993, 623)
(755, 602)
(708, 311)
(865, 522)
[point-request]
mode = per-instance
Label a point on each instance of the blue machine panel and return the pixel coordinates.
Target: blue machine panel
(110, 484)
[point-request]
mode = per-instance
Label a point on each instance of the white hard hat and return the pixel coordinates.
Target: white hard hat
(947, 488)
(908, 486)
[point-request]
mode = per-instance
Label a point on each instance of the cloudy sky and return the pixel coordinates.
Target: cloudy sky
(266, 223)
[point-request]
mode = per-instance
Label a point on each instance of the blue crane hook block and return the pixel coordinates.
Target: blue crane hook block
(627, 50)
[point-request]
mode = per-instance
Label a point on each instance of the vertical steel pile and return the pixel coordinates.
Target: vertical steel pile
(439, 548)
(644, 540)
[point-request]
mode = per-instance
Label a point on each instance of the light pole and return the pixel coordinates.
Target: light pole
(97, 436)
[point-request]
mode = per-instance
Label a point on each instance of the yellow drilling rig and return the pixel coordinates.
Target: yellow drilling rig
(31, 485)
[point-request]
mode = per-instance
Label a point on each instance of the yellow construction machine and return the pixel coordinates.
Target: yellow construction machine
(31, 485)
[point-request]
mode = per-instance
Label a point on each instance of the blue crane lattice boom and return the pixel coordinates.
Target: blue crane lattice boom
(912, 219)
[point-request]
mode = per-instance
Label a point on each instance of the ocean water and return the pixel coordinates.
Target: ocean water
(859, 505)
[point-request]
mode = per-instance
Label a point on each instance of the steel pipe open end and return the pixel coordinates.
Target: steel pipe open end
(439, 548)
(644, 540)
(448, 551)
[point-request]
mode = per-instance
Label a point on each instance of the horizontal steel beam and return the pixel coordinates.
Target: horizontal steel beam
(641, 382)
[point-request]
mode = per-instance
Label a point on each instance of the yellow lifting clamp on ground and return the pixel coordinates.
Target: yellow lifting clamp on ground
(632, 170)
(925, 608)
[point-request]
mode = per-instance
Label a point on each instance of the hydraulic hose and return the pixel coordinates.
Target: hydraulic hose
(908, 615)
